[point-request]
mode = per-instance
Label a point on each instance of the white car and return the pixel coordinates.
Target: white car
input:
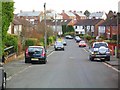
(99, 50)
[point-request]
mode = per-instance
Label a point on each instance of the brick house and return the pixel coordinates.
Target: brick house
(32, 16)
(110, 27)
(69, 15)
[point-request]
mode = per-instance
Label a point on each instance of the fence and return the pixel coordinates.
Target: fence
(9, 54)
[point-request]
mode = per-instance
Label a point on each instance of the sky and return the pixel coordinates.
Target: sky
(59, 5)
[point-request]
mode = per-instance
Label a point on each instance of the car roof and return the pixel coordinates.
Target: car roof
(100, 42)
(37, 46)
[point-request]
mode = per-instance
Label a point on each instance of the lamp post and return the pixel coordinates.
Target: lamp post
(45, 34)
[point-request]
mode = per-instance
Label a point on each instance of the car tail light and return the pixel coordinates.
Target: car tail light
(43, 54)
(27, 53)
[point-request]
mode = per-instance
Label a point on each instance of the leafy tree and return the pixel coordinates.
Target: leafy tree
(7, 17)
(87, 13)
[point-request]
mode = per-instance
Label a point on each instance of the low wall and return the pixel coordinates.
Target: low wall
(10, 58)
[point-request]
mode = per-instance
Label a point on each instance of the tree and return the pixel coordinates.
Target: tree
(7, 17)
(87, 13)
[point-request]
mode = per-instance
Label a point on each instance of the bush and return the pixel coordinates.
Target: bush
(31, 42)
(88, 37)
(12, 40)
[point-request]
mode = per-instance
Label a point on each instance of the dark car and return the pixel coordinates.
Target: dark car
(99, 50)
(2, 78)
(58, 46)
(35, 53)
(77, 39)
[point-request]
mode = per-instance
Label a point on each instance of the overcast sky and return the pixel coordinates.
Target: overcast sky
(59, 5)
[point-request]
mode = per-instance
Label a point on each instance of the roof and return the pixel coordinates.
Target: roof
(80, 14)
(86, 22)
(109, 22)
(29, 13)
(20, 21)
(70, 14)
(96, 14)
(59, 21)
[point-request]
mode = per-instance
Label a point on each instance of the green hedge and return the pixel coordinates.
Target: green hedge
(12, 40)
(31, 42)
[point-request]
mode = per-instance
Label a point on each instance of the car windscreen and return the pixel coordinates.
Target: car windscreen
(59, 43)
(37, 50)
(98, 45)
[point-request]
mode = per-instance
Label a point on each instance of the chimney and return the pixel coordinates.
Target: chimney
(20, 11)
(63, 11)
(33, 10)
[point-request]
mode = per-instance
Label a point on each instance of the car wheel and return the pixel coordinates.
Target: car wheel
(108, 59)
(4, 82)
(91, 58)
(27, 60)
(44, 61)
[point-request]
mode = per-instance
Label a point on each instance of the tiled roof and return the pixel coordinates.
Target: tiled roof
(109, 22)
(86, 22)
(70, 14)
(20, 21)
(80, 14)
(59, 21)
(29, 13)
(96, 14)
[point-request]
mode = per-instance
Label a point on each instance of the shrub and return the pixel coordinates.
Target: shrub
(31, 42)
(88, 37)
(12, 40)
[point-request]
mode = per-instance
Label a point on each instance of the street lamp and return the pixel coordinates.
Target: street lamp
(45, 34)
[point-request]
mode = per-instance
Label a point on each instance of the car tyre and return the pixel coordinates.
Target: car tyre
(108, 59)
(91, 58)
(27, 60)
(4, 82)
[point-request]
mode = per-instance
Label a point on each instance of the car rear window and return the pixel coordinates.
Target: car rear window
(100, 44)
(37, 50)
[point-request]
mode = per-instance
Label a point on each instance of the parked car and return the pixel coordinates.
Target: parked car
(58, 46)
(64, 42)
(68, 37)
(99, 50)
(35, 53)
(77, 39)
(2, 77)
(82, 44)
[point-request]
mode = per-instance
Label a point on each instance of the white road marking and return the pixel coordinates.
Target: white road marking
(111, 67)
(85, 49)
(10, 77)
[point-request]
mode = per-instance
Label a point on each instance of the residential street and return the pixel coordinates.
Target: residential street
(64, 69)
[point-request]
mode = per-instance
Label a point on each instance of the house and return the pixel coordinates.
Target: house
(69, 15)
(108, 27)
(56, 24)
(18, 26)
(50, 14)
(79, 15)
(88, 26)
(98, 15)
(32, 16)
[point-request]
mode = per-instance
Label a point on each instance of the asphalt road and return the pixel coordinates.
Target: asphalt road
(65, 69)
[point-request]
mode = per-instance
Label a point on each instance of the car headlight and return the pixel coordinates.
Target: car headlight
(92, 52)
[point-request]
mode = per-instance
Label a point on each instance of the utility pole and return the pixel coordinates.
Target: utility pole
(118, 33)
(56, 23)
(45, 34)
